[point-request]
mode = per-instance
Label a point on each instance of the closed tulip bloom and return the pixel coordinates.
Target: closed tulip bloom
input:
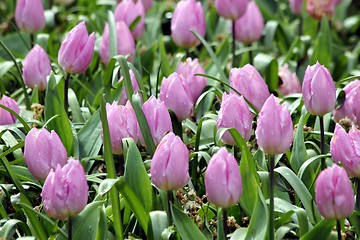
(146, 3)
(77, 50)
(5, 116)
(65, 191)
(334, 194)
(122, 124)
(250, 26)
(274, 131)
(222, 180)
(296, 6)
(170, 163)
(134, 84)
(318, 89)
(188, 69)
(127, 11)
(345, 147)
(234, 113)
(231, 9)
(248, 81)
(318, 8)
(125, 42)
(29, 15)
(350, 105)
(188, 16)
(290, 82)
(43, 152)
(36, 68)
(176, 95)
(158, 118)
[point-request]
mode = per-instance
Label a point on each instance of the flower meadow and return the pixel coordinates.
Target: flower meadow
(211, 119)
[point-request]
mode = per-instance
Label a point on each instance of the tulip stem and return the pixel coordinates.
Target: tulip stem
(32, 40)
(233, 44)
(225, 222)
(271, 218)
(70, 223)
(170, 202)
(322, 141)
(338, 228)
(66, 92)
(251, 56)
(357, 203)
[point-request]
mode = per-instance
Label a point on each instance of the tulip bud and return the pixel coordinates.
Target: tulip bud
(176, 95)
(188, 16)
(274, 131)
(125, 42)
(290, 82)
(5, 116)
(250, 26)
(64, 2)
(231, 9)
(296, 6)
(77, 50)
(350, 105)
(158, 119)
(188, 69)
(29, 15)
(43, 152)
(65, 191)
(344, 148)
(122, 124)
(146, 3)
(36, 68)
(222, 179)
(334, 194)
(318, 8)
(170, 164)
(240, 117)
(318, 89)
(248, 81)
(134, 84)
(127, 11)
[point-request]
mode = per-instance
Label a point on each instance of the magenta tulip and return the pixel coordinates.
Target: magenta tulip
(222, 179)
(5, 116)
(231, 9)
(318, 89)
(188, 16)
(296, 6)
(290, 82)
(134, 84)
(274, 131)
(65, 191)
(146, 3)
(350, 107)
(318, 8)
(334, 194)
(170, 163)
(29, 15)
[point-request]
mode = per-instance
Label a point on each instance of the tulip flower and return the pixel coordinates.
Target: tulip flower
(188, 16)
(222, 180)
(125, 42)
(146, 3)
(43, 152)
(176, 95)
(77, 50)
(318, 8)
(5, 116)
(274, 131)
(296, 6)
(65, 191)
(188, 69)
(290, 82)
(127, 11)
(248, 81)
(134, 84)
(29, 15)
(36, 68)
(334, 194)
(122, 124)
(318, 89)
(170, 163)
(250, 26)
(234, 113)
(344, 148)
(350, 107)
(158, 118)
(231, 9)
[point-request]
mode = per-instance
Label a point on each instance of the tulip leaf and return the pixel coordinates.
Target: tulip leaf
(159, 221)
(320, 231)
(113, 51)
(165, 65)
(75, 107)
(268, 67)
(298, 153)
(5, 67)
(9, 228)
(323, 45)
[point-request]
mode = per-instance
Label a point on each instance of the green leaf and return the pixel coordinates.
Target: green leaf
(323, 45)
(320, 231)
(159, 221)
(75, 107)
(165, 65)
(5, 67)
(8, 229)
(268, 67)
(89, 137)
(298, 153)
(112, 35)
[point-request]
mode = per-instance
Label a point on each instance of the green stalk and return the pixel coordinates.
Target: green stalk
(32, 40)
(225, 222)
(233, 43)
(271, 218)
(357, 201)
(66, 93)
(70, 223)
(338, 228)
(322, 141)
(170, 197)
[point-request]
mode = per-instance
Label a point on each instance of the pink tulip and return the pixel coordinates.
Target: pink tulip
(188, 69)
(36, 68)
(350, 107)
(318, 8)
(290, 82)
(248, 81)
(77, 50)
(125, 42)
(29, 15)
(318, 89)
(146, 3)
(65, 191)
(234, 113)
(188, 16)
(134, 84)
(43, 151)
(5, 116)
(296, 6)
(127, 11)
(334, 194)
(170, 163)
(274, 131)
(250, 26)
(176, 95)
(222, 179)
(231, 9)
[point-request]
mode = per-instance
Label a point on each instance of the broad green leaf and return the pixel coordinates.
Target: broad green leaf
(298, 153)
(268, 67)
(89, 137)
(320, 230)
(5, 67)
(323, 45)
(75, 107)
(159, 221)
(8, 229)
